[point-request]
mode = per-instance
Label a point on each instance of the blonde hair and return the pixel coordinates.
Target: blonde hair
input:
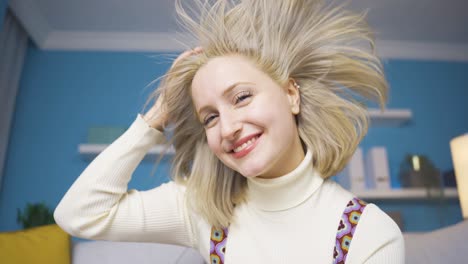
(319, 46)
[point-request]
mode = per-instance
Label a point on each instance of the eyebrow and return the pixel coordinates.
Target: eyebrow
(226, 92)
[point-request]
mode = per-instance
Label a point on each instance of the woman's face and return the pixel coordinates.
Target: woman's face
(248, 118)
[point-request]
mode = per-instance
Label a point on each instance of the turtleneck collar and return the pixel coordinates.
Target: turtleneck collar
(286, 191)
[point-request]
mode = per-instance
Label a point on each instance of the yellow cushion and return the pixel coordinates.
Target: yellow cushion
(45, 244)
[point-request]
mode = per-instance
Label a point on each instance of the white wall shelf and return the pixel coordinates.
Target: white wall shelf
(90, 151)
(404, 193)
(390, 117)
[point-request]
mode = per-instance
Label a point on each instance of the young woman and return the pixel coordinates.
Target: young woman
(263, 113)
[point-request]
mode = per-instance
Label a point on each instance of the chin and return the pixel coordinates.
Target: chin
(249, 175)
(252, 172)
(249, 168)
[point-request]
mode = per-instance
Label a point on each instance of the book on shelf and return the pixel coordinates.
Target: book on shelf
(377, 169)
(353, 175)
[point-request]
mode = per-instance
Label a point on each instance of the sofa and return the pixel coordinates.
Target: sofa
(107, 252)
(445, 245)
(50, 244)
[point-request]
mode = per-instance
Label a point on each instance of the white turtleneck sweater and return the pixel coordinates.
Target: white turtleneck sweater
(289, 219)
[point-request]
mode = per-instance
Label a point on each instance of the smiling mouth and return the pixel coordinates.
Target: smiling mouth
(246, 144)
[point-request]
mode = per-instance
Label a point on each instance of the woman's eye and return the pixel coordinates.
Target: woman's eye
(208, 119)
(242, 96)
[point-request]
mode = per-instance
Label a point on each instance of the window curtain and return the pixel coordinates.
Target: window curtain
(13, 46)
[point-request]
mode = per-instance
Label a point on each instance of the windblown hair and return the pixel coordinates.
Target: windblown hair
(328, 50)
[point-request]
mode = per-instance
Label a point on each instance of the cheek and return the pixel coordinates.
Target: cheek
(279, 119)
(213, 141)
(269, 111)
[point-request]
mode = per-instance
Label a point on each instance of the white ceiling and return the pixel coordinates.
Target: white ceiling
(421, 29)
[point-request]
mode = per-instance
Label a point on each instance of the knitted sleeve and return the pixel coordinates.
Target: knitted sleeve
(377, 239)
(98, 205)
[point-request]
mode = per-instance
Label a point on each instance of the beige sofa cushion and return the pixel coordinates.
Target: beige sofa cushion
(445, 245)
(107, 252)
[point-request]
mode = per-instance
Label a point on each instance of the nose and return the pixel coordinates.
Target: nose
(230, 126)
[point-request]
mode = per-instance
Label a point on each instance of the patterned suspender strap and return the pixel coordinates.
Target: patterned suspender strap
(218, 245)
(346, 228)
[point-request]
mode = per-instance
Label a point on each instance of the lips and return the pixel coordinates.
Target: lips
(243, 147)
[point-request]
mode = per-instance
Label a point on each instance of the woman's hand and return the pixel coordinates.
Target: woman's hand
(156, 117)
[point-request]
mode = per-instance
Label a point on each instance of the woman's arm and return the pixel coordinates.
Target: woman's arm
(98, 205)
(392, 252)
(377, 239)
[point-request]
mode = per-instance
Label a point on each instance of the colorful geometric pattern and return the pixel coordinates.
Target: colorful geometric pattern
(218, 245)
(346, 229)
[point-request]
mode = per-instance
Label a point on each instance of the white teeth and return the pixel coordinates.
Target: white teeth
(246, 144)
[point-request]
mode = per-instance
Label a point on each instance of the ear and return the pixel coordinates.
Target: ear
(294, 96)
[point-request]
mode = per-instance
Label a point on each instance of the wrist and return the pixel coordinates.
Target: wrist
(153, 122)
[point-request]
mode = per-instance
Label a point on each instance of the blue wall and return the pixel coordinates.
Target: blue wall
(3, 7)
(437, 94)
(63, 93)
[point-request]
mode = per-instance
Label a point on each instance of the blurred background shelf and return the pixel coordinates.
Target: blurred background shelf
(390, 117)
(90, 151)
(405, 193)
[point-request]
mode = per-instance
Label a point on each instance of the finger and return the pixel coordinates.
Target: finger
(186, 54)
(198, 49)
